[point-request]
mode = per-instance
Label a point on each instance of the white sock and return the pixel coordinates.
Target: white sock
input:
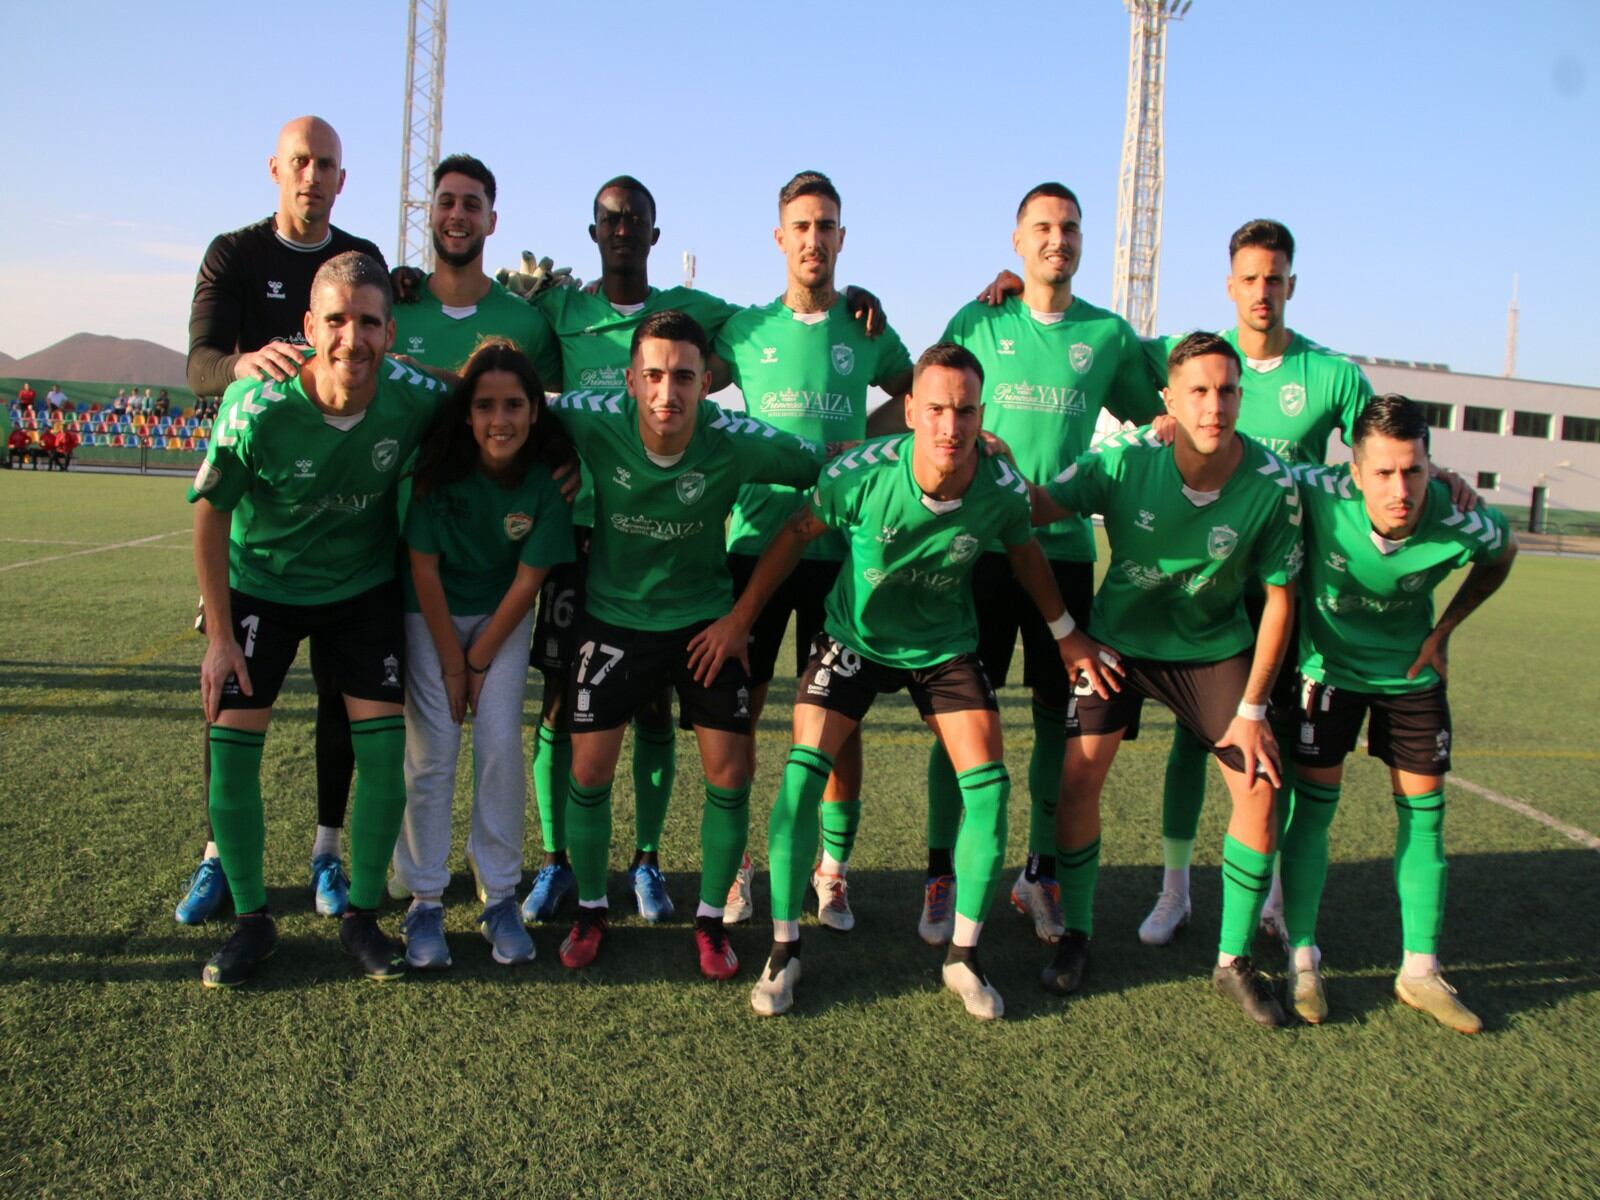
(967, 931)
(705, 910)
(601, 903)
(327, 841)
(211, 851)
(1274, 902)
(433, 901)
(1418, 965)
(1225, 960)
(786, 931)
(1176, 881)
(832, 866)
(1307, 958)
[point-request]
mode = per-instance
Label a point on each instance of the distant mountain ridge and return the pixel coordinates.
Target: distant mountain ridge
(5, 359)
(96, 358)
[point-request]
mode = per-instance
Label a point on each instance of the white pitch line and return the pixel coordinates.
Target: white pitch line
(34, 562)
(1582, 836)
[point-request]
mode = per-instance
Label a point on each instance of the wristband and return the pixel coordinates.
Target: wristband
(485, 671)
(1062, 626)
(1252, 712)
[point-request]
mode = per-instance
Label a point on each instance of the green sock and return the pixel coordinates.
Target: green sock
(379, 804)
(589, 836)
(1419, 870)
(724, 831)
(655, 765)
(981, 845)
(552, 763)
(792, 829)
(1044, 776)
(840, 820)
(1246, 877)
(944, 800)
(237, 824)
(1303, 857)
(1077, 871)
(1182, 797)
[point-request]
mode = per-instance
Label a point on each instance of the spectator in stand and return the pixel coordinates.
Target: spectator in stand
(66, 442)
(57, 400)
(17, 448)
(120, 404)
(163, 403)
(46, 449)
(26, 397)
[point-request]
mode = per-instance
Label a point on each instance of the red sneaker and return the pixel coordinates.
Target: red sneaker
(717, 959)
(582, 944)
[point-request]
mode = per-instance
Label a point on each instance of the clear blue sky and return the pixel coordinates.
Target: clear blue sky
(1420, 153)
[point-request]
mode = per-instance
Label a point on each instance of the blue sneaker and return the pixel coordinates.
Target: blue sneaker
(502, 929)
(331, 885)
(423, 931)
(650, 890)
(208, 888)
(553, 884)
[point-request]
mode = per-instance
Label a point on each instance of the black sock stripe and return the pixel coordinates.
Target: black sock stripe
(1073, 859)
(1399, 803)
(588, 797)
(238, 737)
(1233, 877)
(729, 803)
(986, 775)
(377, 725)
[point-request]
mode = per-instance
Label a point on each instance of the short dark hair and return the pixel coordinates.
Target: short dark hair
(627, 183)
(1199, 344)
(671, 325)
(1059, 191)
(1392, 416)
(808, 183)
(1265, 235)
(472, 168)
(355, 269)
(947, 354)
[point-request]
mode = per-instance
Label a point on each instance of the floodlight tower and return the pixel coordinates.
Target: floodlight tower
(1511, 333)
(1136, 278)
(419, 147)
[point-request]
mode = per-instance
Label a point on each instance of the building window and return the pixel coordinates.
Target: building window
(1481, 420)
(1488, 481)
(1530, 424)
(1580, 429)
(1439, 415)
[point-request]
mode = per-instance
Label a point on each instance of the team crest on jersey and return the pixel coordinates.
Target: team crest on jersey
(1292, 399)
(691, 486)
(518, 526)
(275, 289)
(962, 547)
(844, 359)
(206, 477)
(385, 454)
(1081, 356)
(1222, 541)
(1413, 582)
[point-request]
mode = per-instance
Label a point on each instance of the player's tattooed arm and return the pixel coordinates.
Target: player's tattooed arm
(729, 637)
(223, 657)
(1482, 581)
(1253, 736)
(1082, 656)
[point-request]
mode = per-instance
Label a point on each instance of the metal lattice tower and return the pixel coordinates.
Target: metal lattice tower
(419, 149)
(1136, 279)
(1511, 333)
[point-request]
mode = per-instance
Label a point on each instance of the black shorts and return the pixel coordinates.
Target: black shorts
(1003, 609)
(560, 605)
(1203, 696)
(840, 680)
(616, 670)
(803, 594)
(1409, 731)
(360, 644)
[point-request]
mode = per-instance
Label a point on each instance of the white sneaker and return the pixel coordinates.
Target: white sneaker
(1170, 914)
(976, 992)
(938, 923)
(773, 993)
(833, 901)
(740, 905)
(1040, 901)
(1304, 990)
(1272, 926)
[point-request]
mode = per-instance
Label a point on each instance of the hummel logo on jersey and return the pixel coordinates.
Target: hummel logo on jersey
(844, 359)
(888, 534)
(1007, 346)
(385, 454)
(1222, 541)
(1292, 399)
(769, 355)
(691, 486)
(1337, 560)
(304, 468)
(1081, 356)
(415, 343)
(275, 290)
(623, 477)
(1147, 520)
(1296, 558)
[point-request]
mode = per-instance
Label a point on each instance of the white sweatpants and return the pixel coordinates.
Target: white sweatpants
(433, 744)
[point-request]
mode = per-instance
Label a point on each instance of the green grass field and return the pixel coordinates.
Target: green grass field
(120, 1075)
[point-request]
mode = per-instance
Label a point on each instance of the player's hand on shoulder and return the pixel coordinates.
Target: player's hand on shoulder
(994, 445)
(1165, 427)
(276, 361)
(1087, 659)
(1461, 493)
(1007, 283)
(567, 477)
(1254, 740)
(725, 638)
(407, 284)
(834, 449)
(866, 308)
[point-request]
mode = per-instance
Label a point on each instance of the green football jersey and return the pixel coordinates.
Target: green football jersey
(903, 598)
(1044, 386)
(1294, 408)
(314, 512)
(1174, 591)
(1367, 603)
(808, 378)
(446, 338)
(658, 559)
(483, 531)
(595, 342)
